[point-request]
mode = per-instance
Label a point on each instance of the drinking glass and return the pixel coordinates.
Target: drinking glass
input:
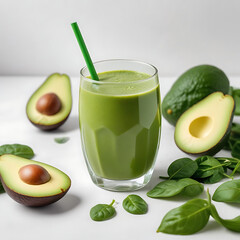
(120, 124)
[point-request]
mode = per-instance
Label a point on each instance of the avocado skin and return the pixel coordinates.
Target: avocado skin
(191, 87)
(49, 127)
(32, 201)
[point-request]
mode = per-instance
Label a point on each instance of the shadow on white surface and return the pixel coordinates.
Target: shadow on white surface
(68, 203)
(71, 124)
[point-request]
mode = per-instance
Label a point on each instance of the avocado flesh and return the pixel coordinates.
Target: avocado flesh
(204, 127)
(58, 185)
(61, 86)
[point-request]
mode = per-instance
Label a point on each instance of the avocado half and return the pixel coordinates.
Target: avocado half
(204, 128)
(191, 87)
(28, 194)
(60, 86)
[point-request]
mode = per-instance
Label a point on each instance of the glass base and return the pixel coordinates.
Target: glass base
(122, 185)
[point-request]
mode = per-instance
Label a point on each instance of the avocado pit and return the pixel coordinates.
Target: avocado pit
(34, 174)
(49, 104)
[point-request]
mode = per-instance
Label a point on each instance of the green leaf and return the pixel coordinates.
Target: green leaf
(61, 140)
(228, 192)
(187, 219)
(232, 163)
(102, 212)
(236, 150)
(170, 188)
(135, 204)
(192, 188)
(231, 224)
(182, 168)
(216, 177)
(17, 149)
(234, 136)
(210, 170)
(235, 129)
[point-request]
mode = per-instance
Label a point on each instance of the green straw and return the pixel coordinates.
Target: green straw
(85, 52)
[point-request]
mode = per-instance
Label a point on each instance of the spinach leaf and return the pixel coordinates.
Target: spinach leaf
(170, 188)
(187, 219)
(233, 163)
(216, 177)
(236, 149)
(17, 149)
(102, 212)
(61, 140)
(182, 168)
(231, 224)
(210, 170)
(228, 192)
(135, 204)
(235, 130)
(234, 136)
(192, 188)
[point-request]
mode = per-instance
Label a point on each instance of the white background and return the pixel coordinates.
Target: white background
(36, 37)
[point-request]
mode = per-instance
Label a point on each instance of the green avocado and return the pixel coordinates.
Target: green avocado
(50, 105)
(28, 188)
(191, 87)
(204, 128)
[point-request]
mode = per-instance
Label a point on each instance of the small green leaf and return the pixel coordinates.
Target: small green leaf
(17, 149)
(228, 192)
(187, 219)
(182, 168)
(135, 204)
(102, 212)
(61, 140)
(170, 188)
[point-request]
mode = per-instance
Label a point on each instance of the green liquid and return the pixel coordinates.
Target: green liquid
(120, 126)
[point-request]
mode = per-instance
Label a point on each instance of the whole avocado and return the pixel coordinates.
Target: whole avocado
(191, 87)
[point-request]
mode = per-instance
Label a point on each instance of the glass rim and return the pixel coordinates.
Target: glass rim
(119, 83)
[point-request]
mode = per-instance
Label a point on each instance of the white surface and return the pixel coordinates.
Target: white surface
(69, 218)
(36, 37)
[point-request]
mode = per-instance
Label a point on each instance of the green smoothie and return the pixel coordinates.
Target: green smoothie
(120, 124)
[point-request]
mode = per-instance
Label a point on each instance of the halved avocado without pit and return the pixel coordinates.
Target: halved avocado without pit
(32, 183)
(204, 128)
(50, 105)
